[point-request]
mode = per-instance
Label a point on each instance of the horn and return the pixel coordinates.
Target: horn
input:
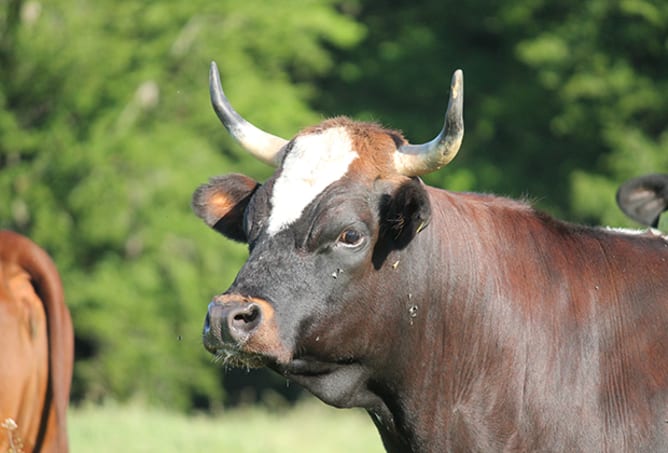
(416, 160)
(261, 144)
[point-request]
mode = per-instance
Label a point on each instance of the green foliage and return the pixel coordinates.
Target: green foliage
(605, 63)
(557, 94)
(106, 129)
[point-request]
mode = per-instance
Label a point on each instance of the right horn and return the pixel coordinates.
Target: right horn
(261, 144)
(416, 160)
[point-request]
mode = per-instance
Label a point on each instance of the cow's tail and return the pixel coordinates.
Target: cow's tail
(47, 284)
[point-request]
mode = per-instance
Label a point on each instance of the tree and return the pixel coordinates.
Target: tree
(107, 130)
(563, 101)
(605, 64)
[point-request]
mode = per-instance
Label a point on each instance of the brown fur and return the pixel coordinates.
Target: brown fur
(37, 348)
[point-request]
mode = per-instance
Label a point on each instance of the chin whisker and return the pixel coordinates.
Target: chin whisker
(234, 358)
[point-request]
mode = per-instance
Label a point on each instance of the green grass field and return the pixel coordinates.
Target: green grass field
(309, 427)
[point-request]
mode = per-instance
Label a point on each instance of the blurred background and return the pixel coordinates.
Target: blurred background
(106, 129)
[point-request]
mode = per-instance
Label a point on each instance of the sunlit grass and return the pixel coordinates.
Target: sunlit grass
(309, 427)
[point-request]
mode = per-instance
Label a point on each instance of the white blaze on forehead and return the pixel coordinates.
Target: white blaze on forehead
(314, 162)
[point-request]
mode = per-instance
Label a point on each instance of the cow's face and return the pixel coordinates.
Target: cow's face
(319, 232)
(309, 300)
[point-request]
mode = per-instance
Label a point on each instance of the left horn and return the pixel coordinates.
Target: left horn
(416, 160)
(261, 144)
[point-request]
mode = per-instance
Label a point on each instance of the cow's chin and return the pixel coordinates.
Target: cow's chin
(340, 383)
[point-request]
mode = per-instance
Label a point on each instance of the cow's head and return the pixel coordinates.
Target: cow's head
(644, 198)
(320, 231)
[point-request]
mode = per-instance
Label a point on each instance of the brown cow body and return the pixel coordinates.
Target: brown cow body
(460, 322)
(37, 354)
(534, 335)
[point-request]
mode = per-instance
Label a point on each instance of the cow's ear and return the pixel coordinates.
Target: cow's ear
(644, 198)
(222, 201)
(403, 214)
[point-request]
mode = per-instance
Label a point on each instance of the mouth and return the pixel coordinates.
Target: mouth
(303, 367)
(232, 357)
(336, 383)
(235, 355)
(232, 354)
(307, 367)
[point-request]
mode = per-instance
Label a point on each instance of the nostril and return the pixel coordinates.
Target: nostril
(245, 319)
(248, 316)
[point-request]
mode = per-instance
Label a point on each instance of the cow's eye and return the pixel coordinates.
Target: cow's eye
(350, 238)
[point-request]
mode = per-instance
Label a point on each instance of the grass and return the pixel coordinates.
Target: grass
(308, 427)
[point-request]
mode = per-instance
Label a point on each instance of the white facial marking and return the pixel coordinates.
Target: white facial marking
(314, 162)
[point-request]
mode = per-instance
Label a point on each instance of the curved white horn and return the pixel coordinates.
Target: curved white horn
(416, 160)
(261, 144)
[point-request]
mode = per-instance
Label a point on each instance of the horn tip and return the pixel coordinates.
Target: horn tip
(457, 84)
(213, 71)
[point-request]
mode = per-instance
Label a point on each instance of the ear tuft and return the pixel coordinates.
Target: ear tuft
(403, 214)
(408, 212)
(222, 201)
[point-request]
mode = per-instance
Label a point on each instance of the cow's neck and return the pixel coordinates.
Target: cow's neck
(450, 367)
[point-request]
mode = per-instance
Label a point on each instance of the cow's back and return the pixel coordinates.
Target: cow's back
(37, 354)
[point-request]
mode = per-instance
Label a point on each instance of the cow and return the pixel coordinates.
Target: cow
(37, 349)
(644, 198)
(458, 321)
